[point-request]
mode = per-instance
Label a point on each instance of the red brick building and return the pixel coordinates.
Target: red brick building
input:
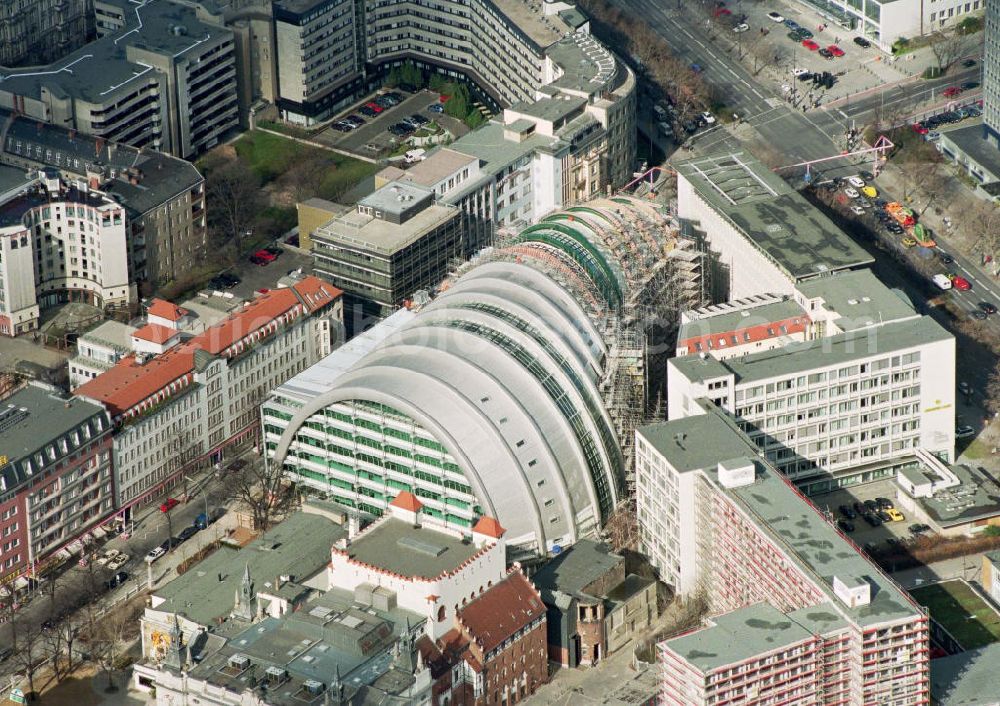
(56, 480)
(496, 653)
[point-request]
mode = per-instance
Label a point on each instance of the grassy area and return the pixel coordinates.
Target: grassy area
(976, 450)
(961, 612)
(273, 157)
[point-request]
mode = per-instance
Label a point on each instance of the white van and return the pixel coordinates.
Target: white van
(415, 156)
(942, 281)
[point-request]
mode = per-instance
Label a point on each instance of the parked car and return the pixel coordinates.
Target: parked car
(988, 308)
(870, 505)
(419, 119)
(872, 519)
(365, 110)
(847, 512)
(852, 192)
(968, 85)
(857, 210)
(883, 516)
(835, 50)
(807, 76)
(964, 432)
(708, 118)
(918, 528)
(168, 504)
(845, 525)
(942, 281)
(859, 507)
(945, 257)
(372, 105)
(774, 16)
(960, 283)
(355, 120)
(826, 53)
(894, 515)
(810, 44)
(187, 533)
(855, 180)
(741, 27)
(862, 42)
(155, 553)
(790, 23)
(884, 503)
(435, 108)
(951, 91)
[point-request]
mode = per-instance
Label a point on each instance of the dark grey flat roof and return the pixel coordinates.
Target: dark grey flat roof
(399, 547)
(969, 678)
(777, 219)
(969, 139)
(162, 176)
(580, 565)
(35, 418)
(99, 67)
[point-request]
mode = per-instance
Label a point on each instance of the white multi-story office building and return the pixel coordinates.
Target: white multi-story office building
(871, 382)
(184, 406)
(764, 237)
(805, 617)
(60, 241)
(885, 21)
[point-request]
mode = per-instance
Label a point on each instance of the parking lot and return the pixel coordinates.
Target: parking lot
(864, 535)
(254, 277)
(373, 138)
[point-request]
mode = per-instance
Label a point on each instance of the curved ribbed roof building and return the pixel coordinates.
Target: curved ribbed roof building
(491, 398)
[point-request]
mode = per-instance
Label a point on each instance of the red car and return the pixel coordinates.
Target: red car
(952, 91)
(722, 12)
(920, 129)
(375, 106)
(810, 44)
(168, 505)
(961, 284)
(262, 257)
(835, 50)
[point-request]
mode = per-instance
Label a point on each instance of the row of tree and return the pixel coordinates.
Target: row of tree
(67, 629)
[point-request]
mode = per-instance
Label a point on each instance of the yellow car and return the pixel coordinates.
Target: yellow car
(894, 514)
(870, 191)
(909, 242)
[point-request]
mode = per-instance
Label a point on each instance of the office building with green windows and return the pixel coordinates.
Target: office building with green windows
(493, 397)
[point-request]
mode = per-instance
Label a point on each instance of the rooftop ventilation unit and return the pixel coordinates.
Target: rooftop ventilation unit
(239, 661)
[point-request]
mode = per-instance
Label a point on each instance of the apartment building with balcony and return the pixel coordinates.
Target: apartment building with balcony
(869, 384)
(798, 612)
(163, 196)
(166, 80)
(176, 410)
(60, 242)
(36, 32)
(56, 479)
(321, 57)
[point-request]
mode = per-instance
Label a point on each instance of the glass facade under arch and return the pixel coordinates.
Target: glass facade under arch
(362, 454)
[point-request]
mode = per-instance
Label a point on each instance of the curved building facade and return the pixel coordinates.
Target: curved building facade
(492, 398)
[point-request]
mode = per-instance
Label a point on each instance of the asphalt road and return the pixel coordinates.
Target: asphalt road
(815, 134)
(150, 530)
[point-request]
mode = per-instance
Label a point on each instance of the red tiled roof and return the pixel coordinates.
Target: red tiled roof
(489, 526)
(261, 311)
(166, 310)
(128, 383)
(501, 611)
(155, 333)
(407, 501)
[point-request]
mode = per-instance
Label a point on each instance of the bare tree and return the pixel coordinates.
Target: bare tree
(30, 653)
(983, 220)
(234, 194)
(949, 47)
(260, 488)
(992, 396)
(111, 634)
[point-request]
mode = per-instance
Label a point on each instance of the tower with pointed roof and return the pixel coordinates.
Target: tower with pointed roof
(245, 607)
